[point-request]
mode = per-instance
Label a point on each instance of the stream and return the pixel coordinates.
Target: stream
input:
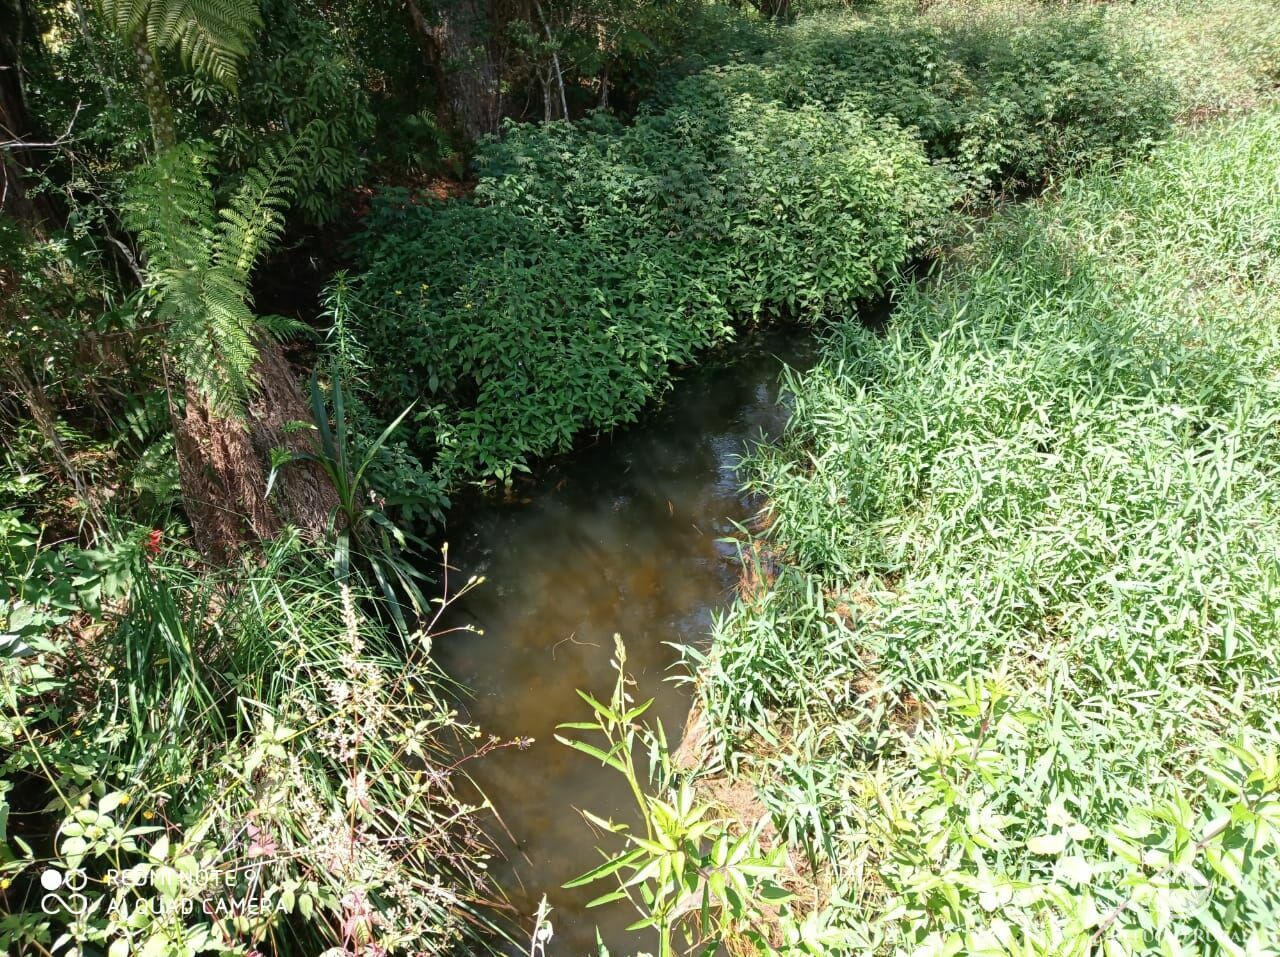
(624, 536)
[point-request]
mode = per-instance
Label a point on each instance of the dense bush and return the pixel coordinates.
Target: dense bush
(594, 258)
(1005, 99)
(1031, 604)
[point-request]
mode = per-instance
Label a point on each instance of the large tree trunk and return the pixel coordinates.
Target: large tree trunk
(159, 109)
(224, 465)
(777, 10)
(457, 41)
(16, 125)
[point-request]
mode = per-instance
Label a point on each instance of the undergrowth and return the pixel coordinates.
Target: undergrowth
(595, 258)
(1014, 690)
(245, 762)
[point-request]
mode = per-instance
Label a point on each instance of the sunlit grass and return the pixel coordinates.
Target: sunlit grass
(1058, 466)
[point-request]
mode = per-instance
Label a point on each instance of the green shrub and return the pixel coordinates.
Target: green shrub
(594, 259)
(1006, 98)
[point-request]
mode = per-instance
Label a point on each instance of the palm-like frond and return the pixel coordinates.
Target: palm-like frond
(199, 261)
(211, 36)
(169, 205)
(254, 220)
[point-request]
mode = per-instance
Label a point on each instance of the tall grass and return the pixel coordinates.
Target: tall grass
(1032, 589)
(275, 770)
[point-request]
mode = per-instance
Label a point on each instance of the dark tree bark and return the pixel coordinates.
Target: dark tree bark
(16, 124)
(456, 40)
(777, 10)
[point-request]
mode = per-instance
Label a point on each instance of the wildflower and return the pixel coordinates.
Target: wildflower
(5, 883)
(152, 545)
(148, 815)
(261, 843)
(358, 792)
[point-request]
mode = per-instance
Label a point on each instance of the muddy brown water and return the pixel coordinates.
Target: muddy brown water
(627, 536)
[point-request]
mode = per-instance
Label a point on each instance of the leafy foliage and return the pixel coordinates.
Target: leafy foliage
(596, 257)
(1005, 100)
(199, 261)
(210, 35)
(657, 237)
(1020, 663)
(301, 74)
(689, 875)
(318, 796)
(365, 540)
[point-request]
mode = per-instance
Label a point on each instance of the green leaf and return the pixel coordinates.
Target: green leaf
(611, 866)
(1048, 844)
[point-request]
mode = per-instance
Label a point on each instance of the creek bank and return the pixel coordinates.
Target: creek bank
(1035, 508)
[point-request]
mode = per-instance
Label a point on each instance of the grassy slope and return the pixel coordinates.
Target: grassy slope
(1032, 535)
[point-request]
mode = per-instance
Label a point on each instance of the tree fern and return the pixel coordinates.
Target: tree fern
(211, 36)
(199, 260)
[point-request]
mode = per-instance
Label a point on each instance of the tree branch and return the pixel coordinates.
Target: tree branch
(14, 145)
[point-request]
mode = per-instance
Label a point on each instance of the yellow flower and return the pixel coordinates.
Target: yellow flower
(148, 815)
(4, 883)
(125, 799)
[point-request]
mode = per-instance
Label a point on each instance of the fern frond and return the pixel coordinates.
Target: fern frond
(144, 443)
(125, 17)
(225, 345)
(211, 36)
(199, 262)
(255, 218)
(281, 328)
(169, 204)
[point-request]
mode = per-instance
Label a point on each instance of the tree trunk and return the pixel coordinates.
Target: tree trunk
(224, 465)
(16, 124)
(457, 45)
(159, 109)
(778, 11)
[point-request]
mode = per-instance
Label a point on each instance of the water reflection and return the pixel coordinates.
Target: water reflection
(621, 537)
